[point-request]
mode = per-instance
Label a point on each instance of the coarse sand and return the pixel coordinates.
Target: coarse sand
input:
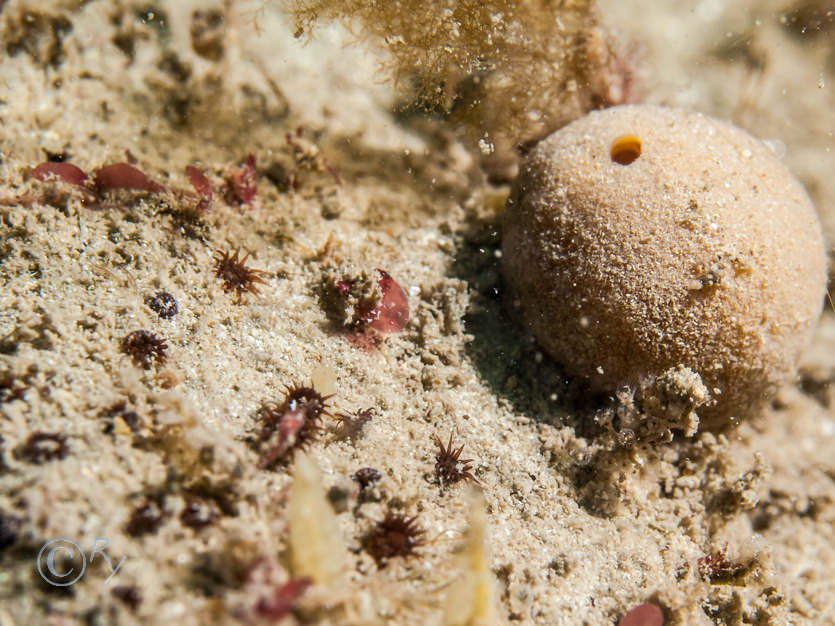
(163, 463)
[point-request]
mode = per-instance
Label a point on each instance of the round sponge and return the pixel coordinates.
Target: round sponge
(640, 239)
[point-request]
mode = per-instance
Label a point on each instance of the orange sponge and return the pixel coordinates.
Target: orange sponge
(641, 238)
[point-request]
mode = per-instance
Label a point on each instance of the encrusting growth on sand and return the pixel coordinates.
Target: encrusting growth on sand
(657, 406)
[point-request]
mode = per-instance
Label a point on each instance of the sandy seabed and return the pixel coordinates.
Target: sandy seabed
(163, 462)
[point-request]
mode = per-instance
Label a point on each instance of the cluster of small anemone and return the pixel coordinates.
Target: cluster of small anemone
(294, 422)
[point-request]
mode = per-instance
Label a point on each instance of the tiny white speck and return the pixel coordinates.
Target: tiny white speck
(777, 146)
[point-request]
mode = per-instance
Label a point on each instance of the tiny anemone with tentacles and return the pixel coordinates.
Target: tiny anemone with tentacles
(145, 348)
(232, 269)
(449, 466)
(291, 424)
(394, 535)
(351, 424)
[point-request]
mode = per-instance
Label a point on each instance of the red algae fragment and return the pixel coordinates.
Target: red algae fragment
(201, 185)
(366, 306)
(244, 181)
(344, 287)
(65, 172)
(283, 597)
(392, 314)
(124, 176)
(643, 615)
(199, 181)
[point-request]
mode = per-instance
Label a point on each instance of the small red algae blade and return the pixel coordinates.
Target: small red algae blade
(245, 181)
(278, 605)
(643, 615)
(392, 314)
(124, 176)
(201, 184)
(66, 172)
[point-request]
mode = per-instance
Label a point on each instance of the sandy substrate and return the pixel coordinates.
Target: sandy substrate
(579, 531)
